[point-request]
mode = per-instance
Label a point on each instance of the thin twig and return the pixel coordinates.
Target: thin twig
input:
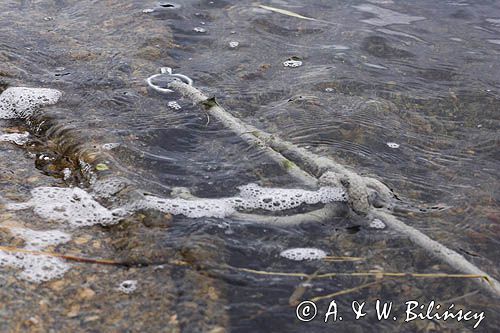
(346, 291)
(454, 299)
(62, 256)
(76, 258)
(301, 289)
(340, 259)
(376, 274)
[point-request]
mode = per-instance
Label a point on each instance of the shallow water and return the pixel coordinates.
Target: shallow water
(423, 75)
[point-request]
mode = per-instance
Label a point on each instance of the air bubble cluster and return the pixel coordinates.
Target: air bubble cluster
(36, 267)
(17, 138)
(392, 145)
(251, 197)
(199, 30)
(303, 253)
(377, 224)
(21, 102)
(174, 105)
(78, 208)
(38, 240)
(128, 286)
(67, 173)
(292, 63)
(218, 208)
(276, 199)
(110, 146)
(71, 205)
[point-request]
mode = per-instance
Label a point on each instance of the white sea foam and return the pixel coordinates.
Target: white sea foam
(38, 240)
(36, 267)
(251, 197)
(17, 138)
(128, 286)
(66, 173)
(21, 102)
(292, 63)
(199, 29)
(218, 208)
(392, 145)
(174, 105)
(275, 199)
(71, 205)
(303, 253)
(78, 208)
(110, 146)
(377, 224)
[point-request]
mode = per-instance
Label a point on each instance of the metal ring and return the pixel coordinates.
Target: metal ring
(167, 71)
(154, 86)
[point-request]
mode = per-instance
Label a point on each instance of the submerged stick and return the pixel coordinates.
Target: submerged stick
(301, 289)
(364, 274)
(346, 291)
(63, 256)
(438, 250)
(292, 14)
(287, 13)
(359, 188)
(342, 259)
(75, 258)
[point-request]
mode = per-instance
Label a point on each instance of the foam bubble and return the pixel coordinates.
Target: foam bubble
(174, 105)
(292, 63)
(199, 30)
(277, 199)
(252, 197)
(21, 102)
(303, 253)
(71, 205)
(38, 240)
(110, 146)
(128, 286)
(78, 208)
(87, 170)
(36, 267)
(392, 145)
(17, 138)
(377, 224)
(66, 173)
(218, 208)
